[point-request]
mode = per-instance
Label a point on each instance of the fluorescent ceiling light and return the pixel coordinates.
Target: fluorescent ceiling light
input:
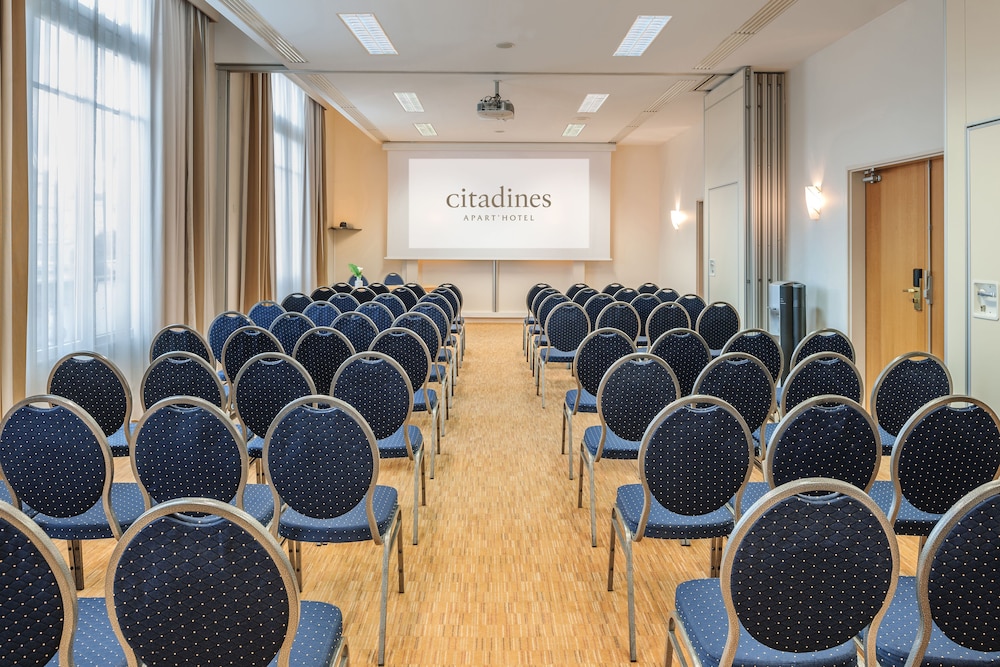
(592, 102)
(573, 129)
(409, 102)
(368, 31)
(425, 129)
(641, 35)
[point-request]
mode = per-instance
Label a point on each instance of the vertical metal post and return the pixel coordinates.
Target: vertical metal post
(496, 286)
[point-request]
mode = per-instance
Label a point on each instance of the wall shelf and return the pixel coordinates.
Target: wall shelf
(350, 228)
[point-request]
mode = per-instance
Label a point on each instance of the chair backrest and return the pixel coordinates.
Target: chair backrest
(344, 302)
(619, 315)
(37, 598)
(358, 328)
(189, 448)
(823, 340)
(692, 303)
(222, 327)
(695, 456)
(626, 294)
(393, 279)
(906, 384)
(440, 318)
(288, 328)
(321, 293)
(458, 293)
(378, 288)
(181, 374)
(822, 373)
(717, 323)
(644, 304)
(742, 381)
(321, 459)
(391, 301)
(417, 289)
(363, 294)
(583, 295)
(379, 314)
(540, 298)
(93, 382)
(172, 578)
(180, 338)
(666, 294)
(826, 436)
(945, 450)
(321, 351)
(956, 576)
(686, 352)
(56, 459)
(762, 345)
(442, 302)
(647, 288)
(405, 295)
(263, 386)
(632, 392)
(664, 317)
(321, 312)
(378, 388)
(295, 302)
(453, 300)
(422, 325)
(263, 313)
(408, 349)
(341, 288)
(595, 304)
(815, 545)
(533, 291)
(574, 288)
(597, 352)
(566, 326)
(612, 288)
(242, 345)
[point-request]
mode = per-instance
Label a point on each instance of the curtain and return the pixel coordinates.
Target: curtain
(316, 189)
(256, 195)
(293, 245)
(91, 286)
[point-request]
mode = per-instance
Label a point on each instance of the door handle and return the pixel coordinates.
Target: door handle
(918, 297)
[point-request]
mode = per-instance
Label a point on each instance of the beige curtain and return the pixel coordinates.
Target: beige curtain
(316, 188)
(13, 203)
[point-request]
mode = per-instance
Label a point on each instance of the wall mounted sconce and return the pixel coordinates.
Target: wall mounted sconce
(677, 217)
(814, 201)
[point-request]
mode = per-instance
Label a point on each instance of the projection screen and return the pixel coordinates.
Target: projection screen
(483, 202)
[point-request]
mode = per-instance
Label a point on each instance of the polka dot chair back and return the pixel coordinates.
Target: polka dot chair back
(242, 345)
(644, 304)
(322, 313)
(340, 288)
(595, 304)
(582, 296)
(822, 373)
(405, 295)
(761, 345)
(648, 288)
(612, 288)
(443, 303)
(181, 374)
(416, 288)
(180, 338)
(358, 328)
(288, 328)
(93, 382)
(743, 382)
(458, 293)
(572, 290)
(666, 316)
(222, 327)
(717, 323)
(692, 303)
(395, 305)
(597, 352)
(423, 326)
(265, 384)
(377, 387)
(529, 296)
(407, 348)
(296, 302)
(263, 313)
(344, 302)
(619, 315)
(363, 294)
(903, 387)
(686, 352)
(823, 340)
(321, 351)
(393, 279)
(633, 391)
(378, 288)
(443, 324)
(379, 314)
(31, 568)
(453, 301)
(626, 294)
(566, 326)
(321, 293)
(666, 294)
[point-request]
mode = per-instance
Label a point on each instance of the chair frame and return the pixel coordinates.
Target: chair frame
(819, 356)
(887, 372)
(191, 357)
(794, 358)
(182, 327)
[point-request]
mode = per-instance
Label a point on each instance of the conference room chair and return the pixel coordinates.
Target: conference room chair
(97, 385)
(321, 351)
(378, 313)
(357, 281)
(321, 313)
(906, 384)
(532, 326)
(417, 289)
(595, 304)
(448, 353)
(574, 288)
(363, 294)
(405, 295)
(264, 312)
(619, 315)
(687, 354)
(626, 294)
(823, 340)
(806, 569)
(214, 591)
(322, 462)
(186, 447)
(181, 374)
(647, 288)
(944, 451)
(222, 326)
(244, 344)
(358, 328)
(422, 325)
(180, 338)
(666, 294)
(826, 436)
(288, 328)
(458, 292)
(664, 317)
(694, 457)
(321, 293)
(378, 288)
(391, 301)
(583, 295)
(565, 328)
(612, 287)
(344, 302)
(457, 321)
(742, 381)
(536, 339)
(296, 302)
(341, 287)
(644, 304)
(392, 279)
(717, 323)
(56, 460)
(946, 614)
(692, 303)
(596, 353)
(764, 346)
(633, 391)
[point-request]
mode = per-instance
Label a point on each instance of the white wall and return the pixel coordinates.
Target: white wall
(874, 97)
(683, 168)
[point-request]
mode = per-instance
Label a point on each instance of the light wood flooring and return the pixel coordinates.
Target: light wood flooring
(504, 573)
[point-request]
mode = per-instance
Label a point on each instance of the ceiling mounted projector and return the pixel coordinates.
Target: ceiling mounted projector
(494, 108)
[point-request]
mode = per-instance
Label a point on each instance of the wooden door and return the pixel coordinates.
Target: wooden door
(902, 205)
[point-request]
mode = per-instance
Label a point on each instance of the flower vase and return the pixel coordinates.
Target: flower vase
(357, 281)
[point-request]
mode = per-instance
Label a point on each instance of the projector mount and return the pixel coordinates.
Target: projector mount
(493, 107)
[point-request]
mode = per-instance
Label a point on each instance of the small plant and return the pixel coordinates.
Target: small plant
(356, 270)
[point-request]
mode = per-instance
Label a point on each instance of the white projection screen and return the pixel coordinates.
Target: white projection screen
(499, 203)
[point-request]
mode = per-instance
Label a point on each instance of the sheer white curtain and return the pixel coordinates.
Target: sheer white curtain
(91, 284)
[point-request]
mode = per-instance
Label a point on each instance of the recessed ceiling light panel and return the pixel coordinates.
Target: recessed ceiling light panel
(369, 32)
(409, 102)
(641, 35)
(425, 129)
(573, 129)
(592, 102)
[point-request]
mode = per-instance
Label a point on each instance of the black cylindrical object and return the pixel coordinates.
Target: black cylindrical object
(792, 319)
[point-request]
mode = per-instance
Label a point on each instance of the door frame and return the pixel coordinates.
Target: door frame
(857, 325)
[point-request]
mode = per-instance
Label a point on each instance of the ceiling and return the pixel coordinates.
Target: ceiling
(448, 56)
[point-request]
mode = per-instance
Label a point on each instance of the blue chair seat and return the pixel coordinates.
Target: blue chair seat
(437, 374)
(752, 492)
(614, 446)
(255, 447)
(349, 527)
(703, 615)
(588, 402)
(666, 525)
(554, 356)
(769, 428)
(424, 400)
(118, 442)
(126, 501)
(321, 626)
(394, 447)
(887, 439)
(910, 520)
(259, 502)
(95, 644)
(899, 629)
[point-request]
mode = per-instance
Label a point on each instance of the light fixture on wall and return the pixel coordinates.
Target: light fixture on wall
(814, 201)
(677, 217)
